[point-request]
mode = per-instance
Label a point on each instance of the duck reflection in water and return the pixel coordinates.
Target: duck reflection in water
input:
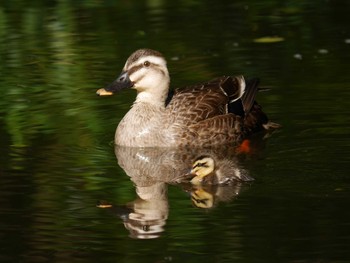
(209, 175)
(146, 216)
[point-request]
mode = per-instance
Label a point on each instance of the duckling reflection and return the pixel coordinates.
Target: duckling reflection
(208, 196)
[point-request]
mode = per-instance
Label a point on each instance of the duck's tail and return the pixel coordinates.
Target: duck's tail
(244, 104)
(247, 107)
(248, 98)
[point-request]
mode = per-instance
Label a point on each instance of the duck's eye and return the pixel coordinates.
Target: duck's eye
(146, 63)
(200, 165)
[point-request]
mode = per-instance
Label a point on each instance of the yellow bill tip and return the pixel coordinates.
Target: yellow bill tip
(103, 92)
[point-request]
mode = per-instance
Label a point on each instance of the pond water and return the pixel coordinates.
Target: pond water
(64, 196)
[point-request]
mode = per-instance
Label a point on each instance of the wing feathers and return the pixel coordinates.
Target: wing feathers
(234, 87)
(219, 128)
(215, 110)
(248, 98)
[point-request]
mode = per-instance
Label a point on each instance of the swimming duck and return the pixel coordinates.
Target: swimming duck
(216, 112)
(205, 171)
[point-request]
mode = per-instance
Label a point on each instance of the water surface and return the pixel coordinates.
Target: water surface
(56, 136)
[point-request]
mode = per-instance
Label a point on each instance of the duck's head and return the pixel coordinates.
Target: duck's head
(202, 167)
(146, 71)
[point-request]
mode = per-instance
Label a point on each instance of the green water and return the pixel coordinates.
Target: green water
(56, 135)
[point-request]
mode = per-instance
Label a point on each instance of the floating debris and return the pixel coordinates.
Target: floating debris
(268, 39)
(323, 51)
(103, 204)
(347, 41)
(298, 56)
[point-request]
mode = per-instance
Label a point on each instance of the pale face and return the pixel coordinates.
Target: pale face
(147, 72)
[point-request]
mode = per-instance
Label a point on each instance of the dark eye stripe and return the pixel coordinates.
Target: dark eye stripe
(140, 66)
(134, 69)
(162, 71)
(205, 165)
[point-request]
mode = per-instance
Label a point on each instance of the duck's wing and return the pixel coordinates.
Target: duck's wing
(216, 130)
(194, 104)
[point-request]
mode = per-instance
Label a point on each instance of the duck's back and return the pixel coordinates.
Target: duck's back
(191, 105)
(200, 114)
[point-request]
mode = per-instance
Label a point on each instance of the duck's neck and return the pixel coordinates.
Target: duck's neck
(154, 96)
(141, 125)
(145, 98)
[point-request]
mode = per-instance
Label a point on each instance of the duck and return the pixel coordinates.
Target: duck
(206, 171)
(216, 112)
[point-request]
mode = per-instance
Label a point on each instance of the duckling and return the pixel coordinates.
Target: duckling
(217, 112)
(206, 171)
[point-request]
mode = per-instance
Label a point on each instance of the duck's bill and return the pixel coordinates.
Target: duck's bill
(122, 82)
(103, 92)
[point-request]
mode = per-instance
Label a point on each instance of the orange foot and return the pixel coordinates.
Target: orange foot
(245, 147)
